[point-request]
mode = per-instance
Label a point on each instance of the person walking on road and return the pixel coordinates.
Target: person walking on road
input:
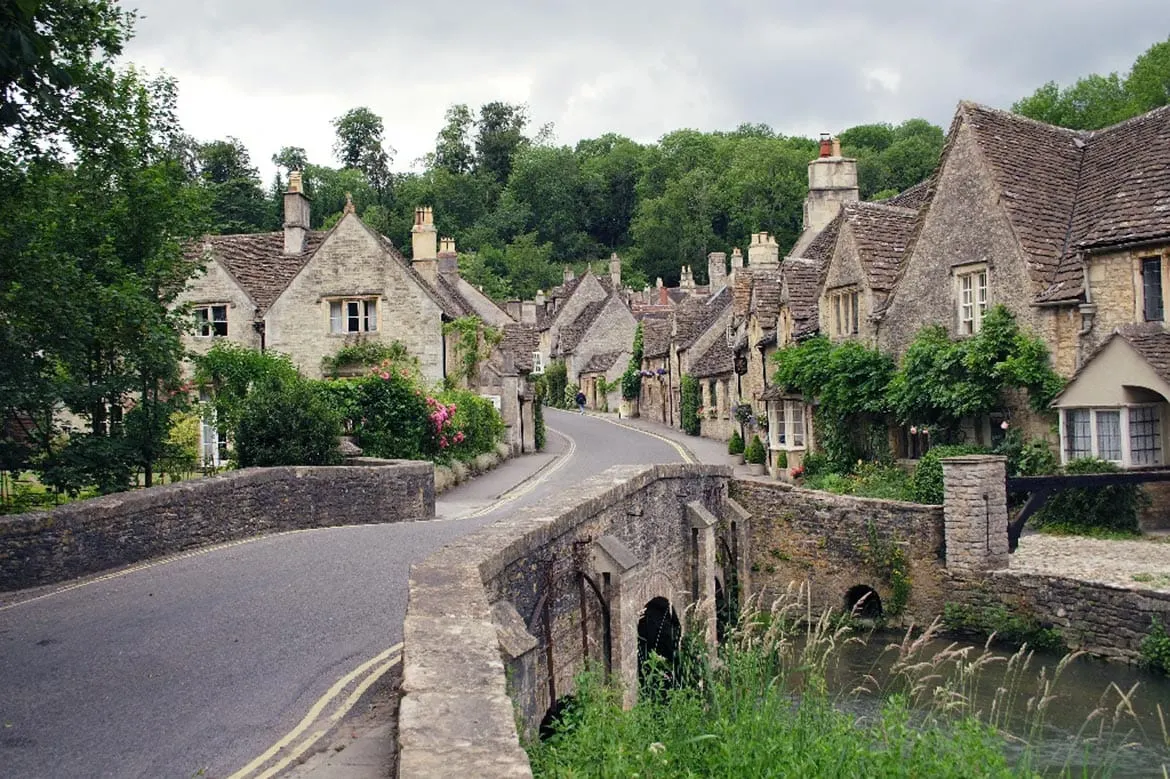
(581, 402)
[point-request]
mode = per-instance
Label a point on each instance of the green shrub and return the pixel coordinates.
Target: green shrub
(287, 423)
(735, 444)
(366, 355)
(631, 384)
(393, 419)
(570, 397)
(754, 452)
(182, 455)
(782, 459)
(829, 482)
(691, 399)
(539, 433)
(555, 378)
(926, 486)
(1156, 648)
(1110, 511)
(815, 463)
(476, 423)
(1027, 458)
(1011, 627)
(881, 480)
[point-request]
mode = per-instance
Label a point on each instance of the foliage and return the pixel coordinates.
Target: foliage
(230, 371)
(286, 423)
(183, 455)
(886, 558)
(1155, 648)
(238, 204)
(926, 486)
(361, 146)
(754, 452)
(849, 382)
(782, 459)
(1027, 458)
(632, 378)
(868, 480)
(1108, 510)
(394, 417)
(735, 444)
(555, 381)
(814, 463)
(476, 426)
(570, 398)
(1012, 627)
(368, 354)
(475, 343)
(540, 434)
(941, 380)
(1097, 101)
(762, 709)
(691, 399)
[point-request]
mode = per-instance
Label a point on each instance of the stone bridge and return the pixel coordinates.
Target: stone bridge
(500, 623)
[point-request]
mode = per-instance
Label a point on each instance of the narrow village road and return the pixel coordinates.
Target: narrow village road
(198, 665)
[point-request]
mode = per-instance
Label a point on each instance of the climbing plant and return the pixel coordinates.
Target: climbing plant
(555, 380)
(886, 558)
(368, 354)
(474, 344)
(632, 378)
(692, 398)
(942, 380)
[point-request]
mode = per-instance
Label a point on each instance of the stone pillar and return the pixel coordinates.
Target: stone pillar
(615, 568)
(528, 442)
(975, 512)
(511, 410)
(703, 524)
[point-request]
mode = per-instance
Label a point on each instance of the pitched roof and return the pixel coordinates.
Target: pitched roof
(521, 341)
(700, 315)
(914, 197)
(259, 265)
(599, 363)
(572, 333)
(821, 247)
(881, 233)
(656, 337)
(766, 293)
(1152, 343)
(716, 361)
(802, 281)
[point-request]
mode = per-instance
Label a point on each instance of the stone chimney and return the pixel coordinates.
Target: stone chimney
(763, 252)
(528, 311)
(424, 244)
(513, 308)
(736, 260)
(615, 270)
(832, 182)
(448, 257)
(685, 279)
(296, 214)
(716, 272)
(567, 275)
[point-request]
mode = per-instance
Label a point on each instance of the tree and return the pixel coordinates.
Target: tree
(55, 69)
(291, 158)
(360, 145)
(1148, 83)
(238, 203)
(453, 145)
(499, 135)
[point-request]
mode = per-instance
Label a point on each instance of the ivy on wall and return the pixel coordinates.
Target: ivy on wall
(474, 344)
(692, 398)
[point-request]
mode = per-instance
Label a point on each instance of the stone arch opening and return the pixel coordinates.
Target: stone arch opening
(727, 591)
(551, 723)
(863, 601)
(659, 632)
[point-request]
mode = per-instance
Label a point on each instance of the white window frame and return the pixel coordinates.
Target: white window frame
(845, 312)
(1123, 412)
(206, 320)
(785, 417)
(537, 362)
(362, 311)
(972, 297)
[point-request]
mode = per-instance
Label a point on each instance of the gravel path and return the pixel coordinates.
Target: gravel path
(1140, 564)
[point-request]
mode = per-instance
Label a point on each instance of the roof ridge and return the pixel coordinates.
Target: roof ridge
(970, 104)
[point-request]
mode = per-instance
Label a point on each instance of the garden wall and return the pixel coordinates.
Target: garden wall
(827, 541)
(94, 535)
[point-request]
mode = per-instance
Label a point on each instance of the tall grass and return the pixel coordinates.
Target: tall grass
(763, 707)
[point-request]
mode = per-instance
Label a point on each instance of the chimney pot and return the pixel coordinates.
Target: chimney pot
(826, 145)
(836, 147)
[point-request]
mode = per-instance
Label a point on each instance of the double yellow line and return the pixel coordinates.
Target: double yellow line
(295, 744)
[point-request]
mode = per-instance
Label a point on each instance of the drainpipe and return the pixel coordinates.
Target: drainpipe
(1088, 310)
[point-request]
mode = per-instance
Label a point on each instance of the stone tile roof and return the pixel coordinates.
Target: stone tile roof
(572, 333)
(1152, 343)
(259, 265)
(801, 290)
(915, 197)
(521, 341)
(656, 337)
(822, 246)
(881, 233)
(453, 302)
(766, 287)
(716, 361)
(700, 315)
(600, 363)
(1036, 167)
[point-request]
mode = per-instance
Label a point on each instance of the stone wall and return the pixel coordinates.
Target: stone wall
(94, 535)
(826, 543)
(1101, 619)
(216, 286)
(490, 614)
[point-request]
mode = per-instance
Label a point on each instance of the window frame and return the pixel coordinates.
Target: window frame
(967, 280)
(206, 321)
(1145, 264)
(1071, 430)
(845, 312)
(367, 313)
(786, 418)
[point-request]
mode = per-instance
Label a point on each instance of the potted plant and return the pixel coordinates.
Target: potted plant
(780, 464)
(755, 455)
(735, 446)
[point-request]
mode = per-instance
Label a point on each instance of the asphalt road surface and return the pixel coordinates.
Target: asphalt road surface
(198, 665)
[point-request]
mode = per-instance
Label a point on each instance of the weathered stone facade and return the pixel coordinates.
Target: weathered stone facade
(94, 535)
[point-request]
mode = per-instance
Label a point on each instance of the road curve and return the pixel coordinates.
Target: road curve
(200, 664)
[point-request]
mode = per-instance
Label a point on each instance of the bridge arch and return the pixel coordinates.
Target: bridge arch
(863, 601)
(659, 632)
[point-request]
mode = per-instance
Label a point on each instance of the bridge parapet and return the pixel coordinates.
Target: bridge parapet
(975, 512)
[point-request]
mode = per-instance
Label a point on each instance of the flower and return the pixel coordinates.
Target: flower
(913, 429)
(385, 376)
(459, 437)
(1004, 425)
(797, 472)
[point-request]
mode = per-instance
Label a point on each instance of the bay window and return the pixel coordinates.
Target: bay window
(1130, 436)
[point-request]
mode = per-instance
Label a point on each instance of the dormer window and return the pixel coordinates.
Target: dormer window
(353, 316)
(971, 293)
(844, 312)
(211, 321)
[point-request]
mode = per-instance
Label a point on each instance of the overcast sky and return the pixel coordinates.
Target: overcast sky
(275, 72)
